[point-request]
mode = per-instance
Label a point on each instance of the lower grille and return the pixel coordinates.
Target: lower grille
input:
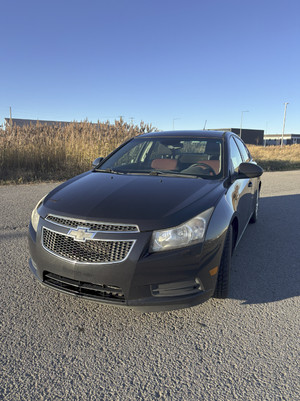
(90, 251)
(89, 290)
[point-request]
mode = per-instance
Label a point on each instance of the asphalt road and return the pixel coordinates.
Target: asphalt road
(56, 347)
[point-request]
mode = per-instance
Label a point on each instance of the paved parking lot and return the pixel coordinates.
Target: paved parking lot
(56, 347)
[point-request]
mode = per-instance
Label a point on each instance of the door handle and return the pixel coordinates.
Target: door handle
(250, 184)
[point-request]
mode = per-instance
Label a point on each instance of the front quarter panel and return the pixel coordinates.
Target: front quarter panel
(220, 219)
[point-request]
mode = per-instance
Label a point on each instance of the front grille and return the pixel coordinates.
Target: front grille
(94, 226)
(96, 291)
(90, 251)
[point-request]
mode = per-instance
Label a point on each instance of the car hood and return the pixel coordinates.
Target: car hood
(151, 202)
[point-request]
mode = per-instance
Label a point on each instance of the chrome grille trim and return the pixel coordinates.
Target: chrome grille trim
(98, 251)
(93, 225)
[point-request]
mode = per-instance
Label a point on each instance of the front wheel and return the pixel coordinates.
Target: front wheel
(222, 286)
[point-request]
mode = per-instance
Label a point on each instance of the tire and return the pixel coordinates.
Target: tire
(222, 286)
(254, 216)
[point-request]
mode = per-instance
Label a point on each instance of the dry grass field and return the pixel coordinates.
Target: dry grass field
(275, 158)
(45, 153)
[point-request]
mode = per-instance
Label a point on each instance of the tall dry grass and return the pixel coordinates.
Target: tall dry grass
(36, 153)
(275, 158)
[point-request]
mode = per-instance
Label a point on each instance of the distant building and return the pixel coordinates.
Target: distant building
(288, 139)
(249, 136)
(20, 122)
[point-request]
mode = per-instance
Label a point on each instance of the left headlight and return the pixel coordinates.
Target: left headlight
(188, 233)
(35, 217)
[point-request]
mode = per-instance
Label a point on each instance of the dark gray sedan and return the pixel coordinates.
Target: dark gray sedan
(153, 225)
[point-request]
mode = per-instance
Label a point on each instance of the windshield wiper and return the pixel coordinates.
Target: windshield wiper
(175, 174)
(108, 170)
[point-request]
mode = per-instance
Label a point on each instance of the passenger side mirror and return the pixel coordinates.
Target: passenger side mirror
(249, 170)
(97, 161)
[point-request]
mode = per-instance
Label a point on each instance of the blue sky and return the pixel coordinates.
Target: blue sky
(163, 62)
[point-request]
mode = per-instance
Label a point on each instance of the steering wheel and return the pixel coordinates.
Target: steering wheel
(205, 166)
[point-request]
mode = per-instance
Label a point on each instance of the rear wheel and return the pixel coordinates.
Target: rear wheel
(222, 286)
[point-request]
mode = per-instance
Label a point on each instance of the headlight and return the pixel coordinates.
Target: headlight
(186, 234)
(35, 216)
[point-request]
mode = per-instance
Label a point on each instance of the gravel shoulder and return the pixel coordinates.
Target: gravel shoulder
(56, 347)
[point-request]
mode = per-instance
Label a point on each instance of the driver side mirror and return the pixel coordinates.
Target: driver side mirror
(97, 161)
(249, 170)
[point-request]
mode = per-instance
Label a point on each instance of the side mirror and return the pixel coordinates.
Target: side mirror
(97, 161)
(249, 170)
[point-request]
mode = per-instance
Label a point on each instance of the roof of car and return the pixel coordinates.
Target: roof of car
(201, 134)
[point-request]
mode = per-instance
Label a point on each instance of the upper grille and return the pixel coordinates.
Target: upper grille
(94, 226)
(90, 251)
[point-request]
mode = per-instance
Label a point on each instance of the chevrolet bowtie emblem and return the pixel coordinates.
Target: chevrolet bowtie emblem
(81, 234)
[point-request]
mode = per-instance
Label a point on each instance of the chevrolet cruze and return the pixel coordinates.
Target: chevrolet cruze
(153, 225)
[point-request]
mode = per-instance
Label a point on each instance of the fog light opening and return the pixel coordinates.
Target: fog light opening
(200, 285)
(179, 288)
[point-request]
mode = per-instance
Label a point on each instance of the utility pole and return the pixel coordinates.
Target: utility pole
(204, 125)
(176, 118)
(285, 106)
(10, 119)
(245, 111)
(266, 133)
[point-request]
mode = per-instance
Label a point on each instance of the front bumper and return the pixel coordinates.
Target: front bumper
(143, 281)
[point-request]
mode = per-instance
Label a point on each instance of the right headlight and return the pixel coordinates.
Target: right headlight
(188, 233)
(35, 217)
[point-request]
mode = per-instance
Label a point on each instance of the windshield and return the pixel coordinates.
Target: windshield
(200, 157)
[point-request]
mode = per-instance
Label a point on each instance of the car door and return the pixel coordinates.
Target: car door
(253, 182)
(240, 190)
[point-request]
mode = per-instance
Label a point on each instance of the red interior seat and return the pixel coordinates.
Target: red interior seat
(164, 164)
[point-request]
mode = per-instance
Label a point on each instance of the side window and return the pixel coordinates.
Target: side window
(131, 156)
(235, 155)
(244, 151)
(160, 151)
